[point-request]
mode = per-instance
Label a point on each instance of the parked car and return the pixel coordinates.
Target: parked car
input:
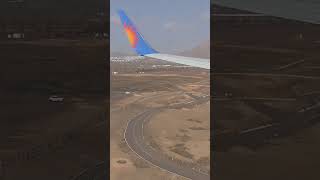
(55, 98)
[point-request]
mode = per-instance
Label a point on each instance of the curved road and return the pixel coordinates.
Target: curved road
(270, 75)
(134, 137)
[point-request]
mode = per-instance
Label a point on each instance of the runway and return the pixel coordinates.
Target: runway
(269, 75)
(135, 139)
(253, 99)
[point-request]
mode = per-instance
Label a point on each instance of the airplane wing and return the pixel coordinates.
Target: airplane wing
(305, 11)
(190, 61)
(142, 48)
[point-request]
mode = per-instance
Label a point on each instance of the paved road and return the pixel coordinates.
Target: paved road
(269, 75)
(134, 136)
(252, 98)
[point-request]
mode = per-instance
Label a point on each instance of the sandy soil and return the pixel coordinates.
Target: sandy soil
(148, 91)
(41, 139)
(187, 136)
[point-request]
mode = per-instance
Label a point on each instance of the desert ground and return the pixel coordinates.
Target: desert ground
(52, 140)
(181, 134)
(265, 101)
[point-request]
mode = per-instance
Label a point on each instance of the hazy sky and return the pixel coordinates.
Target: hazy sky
(168, 25)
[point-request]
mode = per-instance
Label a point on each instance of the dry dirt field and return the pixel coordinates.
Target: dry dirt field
(42, 139)
(187, 136)
(265, 81)
(153, 90)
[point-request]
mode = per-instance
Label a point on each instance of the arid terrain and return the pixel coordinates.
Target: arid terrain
(175, 131)
(41, 139)
(265, 101)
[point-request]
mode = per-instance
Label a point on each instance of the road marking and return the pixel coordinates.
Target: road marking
(137, 142)
(290, 64)
(148, 154)
(271, 75)
(252, 98)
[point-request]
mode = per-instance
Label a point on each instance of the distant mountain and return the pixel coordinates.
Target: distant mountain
(114, 54)
(200, 51)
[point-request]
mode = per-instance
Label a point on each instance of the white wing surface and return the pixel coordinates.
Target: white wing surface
(190, 61)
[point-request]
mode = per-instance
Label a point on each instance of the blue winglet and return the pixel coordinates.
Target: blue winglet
(136, 40)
